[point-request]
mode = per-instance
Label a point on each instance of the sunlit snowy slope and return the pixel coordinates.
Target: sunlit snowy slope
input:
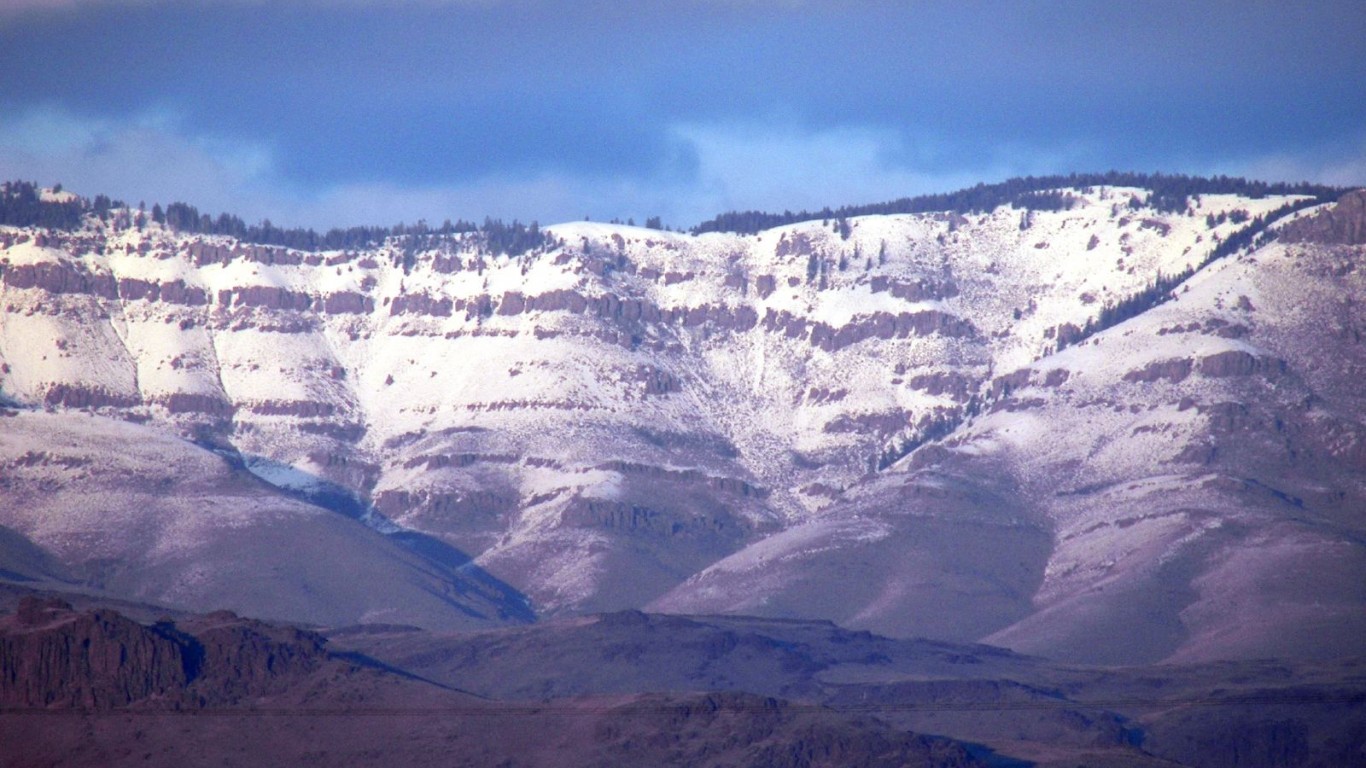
(872, 426)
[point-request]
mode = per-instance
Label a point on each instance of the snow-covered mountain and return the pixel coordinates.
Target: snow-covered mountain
(865, 420)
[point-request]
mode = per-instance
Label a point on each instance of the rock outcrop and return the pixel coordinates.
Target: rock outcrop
(54, 657)
(1341, 224)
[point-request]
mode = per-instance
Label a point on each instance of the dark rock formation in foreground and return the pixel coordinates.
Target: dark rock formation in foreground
(96, 688)
(54, 657)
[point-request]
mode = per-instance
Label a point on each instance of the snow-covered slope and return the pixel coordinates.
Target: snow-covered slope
(1187, 484)
(599, 422)
(98, 505)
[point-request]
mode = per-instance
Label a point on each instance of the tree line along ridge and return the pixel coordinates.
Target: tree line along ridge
(23, 204)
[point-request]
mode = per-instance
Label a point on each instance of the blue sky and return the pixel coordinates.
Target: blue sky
(334, 112)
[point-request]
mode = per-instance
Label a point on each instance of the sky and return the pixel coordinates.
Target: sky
(329, 113)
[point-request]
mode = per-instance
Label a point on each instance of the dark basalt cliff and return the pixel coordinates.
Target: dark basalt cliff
(217, 688)
(52, 656)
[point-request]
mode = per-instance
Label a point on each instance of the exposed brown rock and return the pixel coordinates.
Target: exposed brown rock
(513, 303)
(920, 290)
(301, 408)
(421, 304)
(241, 658)
(188, 402)
(345, 432)
(267, 323)
(61, 278)
(825, 395)
(1227, 417)
(347, 302)
(1160, 227)
(794, 244)
(43, 458)
(1056, 377)
(1198, 453)
(949, 383)
(658, 381)
(202, 253)
(880, 424)
(1004, 385)
(560, 300)
(613, 307)
(54, 657)
(880, 325)
(175, 292)
(765, 285)
(270, 255)
(1341, 224)
(1174, 371)
(77, 396)
(1236, 362)
(267, 296)
(1067, 334)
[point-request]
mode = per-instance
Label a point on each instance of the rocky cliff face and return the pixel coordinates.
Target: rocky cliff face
(56, 658)
(94, 687)
(1341, 224)
(52, 657)
(599, 422)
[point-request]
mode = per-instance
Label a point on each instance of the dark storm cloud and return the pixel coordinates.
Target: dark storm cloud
(433, 94)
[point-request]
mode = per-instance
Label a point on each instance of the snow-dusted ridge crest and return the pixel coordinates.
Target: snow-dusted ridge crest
(697, 422)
